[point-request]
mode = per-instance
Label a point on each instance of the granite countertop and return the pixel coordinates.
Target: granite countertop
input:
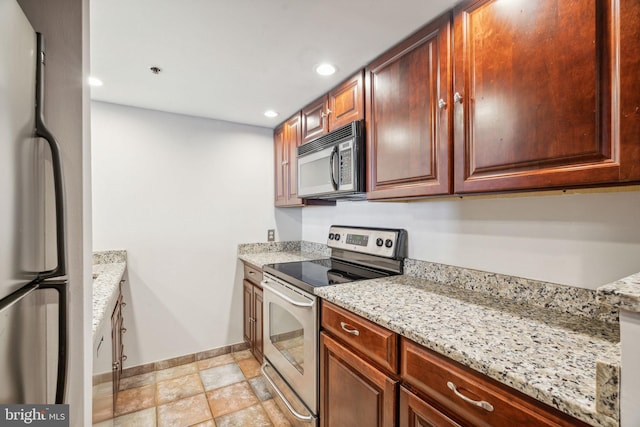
(260, 254)
(108, 270)
(623, 293)
(546, 354)
(555, 343)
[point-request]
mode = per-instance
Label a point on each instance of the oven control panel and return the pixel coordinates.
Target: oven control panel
(384, 242)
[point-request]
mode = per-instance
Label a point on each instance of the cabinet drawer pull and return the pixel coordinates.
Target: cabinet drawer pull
(123, 330)
(124, 304)
(442, 103)
(351, 331)
(480, 403)
(457, 97)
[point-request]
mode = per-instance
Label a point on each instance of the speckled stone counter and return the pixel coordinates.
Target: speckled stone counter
(623, 294)
(259, 254)
(108, 269)
(548, 354)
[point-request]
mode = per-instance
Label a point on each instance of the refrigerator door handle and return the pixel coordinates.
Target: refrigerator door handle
(43, 132)
(61, 287)
(61, 381)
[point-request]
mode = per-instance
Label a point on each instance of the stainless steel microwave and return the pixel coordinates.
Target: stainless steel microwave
(332, 167)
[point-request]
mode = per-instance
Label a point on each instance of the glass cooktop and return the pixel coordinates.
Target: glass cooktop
(307, 275)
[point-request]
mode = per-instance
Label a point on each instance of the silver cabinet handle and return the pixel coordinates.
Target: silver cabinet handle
(115, 365)
(124, 357)
(284, 163)
(124, 304)
(295, 413)
(123, 330)
(480, 403)
(349, 331)
(457, 97)
(442, 103)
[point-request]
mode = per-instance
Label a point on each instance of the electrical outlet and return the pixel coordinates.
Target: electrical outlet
(271, 235)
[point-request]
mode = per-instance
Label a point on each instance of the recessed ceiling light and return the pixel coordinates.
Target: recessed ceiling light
(271, 113)
(94, 81)
(325, 69)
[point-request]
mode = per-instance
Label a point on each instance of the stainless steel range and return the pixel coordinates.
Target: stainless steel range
(291, 314)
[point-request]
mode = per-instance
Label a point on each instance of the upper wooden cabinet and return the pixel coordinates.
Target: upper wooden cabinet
(286, 140)
(408, 141)
(545, 94)
(341, 106)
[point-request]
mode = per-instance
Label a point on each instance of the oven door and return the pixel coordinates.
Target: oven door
(291, 337)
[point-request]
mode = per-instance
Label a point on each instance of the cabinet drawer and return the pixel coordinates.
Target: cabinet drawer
(252, 274)
(436, 377)
(374, 341)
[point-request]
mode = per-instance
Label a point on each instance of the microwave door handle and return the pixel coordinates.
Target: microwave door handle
(334, 154)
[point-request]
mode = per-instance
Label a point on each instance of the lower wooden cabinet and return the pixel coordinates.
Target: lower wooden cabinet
(353, 392)
(471, 397)
(415, 412)
(252, 310)
(359, 387)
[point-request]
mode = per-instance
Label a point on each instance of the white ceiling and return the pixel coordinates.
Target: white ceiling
(233, 59)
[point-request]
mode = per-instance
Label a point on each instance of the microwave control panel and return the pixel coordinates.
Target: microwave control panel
(388, 243)
(346, 175)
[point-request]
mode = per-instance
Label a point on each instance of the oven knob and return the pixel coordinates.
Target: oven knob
(379, 242)
(330, 236)
(337, 236)
(388, 243)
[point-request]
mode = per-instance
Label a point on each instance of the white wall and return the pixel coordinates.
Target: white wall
(583, 240)
(65, 26)
(179, 193)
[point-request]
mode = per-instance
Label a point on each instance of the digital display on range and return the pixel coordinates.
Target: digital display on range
(357, 239)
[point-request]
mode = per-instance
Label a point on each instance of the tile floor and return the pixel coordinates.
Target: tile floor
(223, 391)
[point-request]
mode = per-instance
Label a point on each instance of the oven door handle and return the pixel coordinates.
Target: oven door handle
(287, 298)
(295, 413)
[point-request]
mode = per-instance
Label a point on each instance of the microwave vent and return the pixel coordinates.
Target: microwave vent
(352, 130)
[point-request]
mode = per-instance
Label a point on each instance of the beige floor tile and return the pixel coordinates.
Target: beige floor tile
(137, 381)
(221, 376)
(178, 388)
(254, 416)
(244, 354)
(178, 371)
(229, 399)
(215, 361)
(275, 414)
(103, 389)
(102, 408)
(209, 423)
(250, 367)
(185, 412)
(135, 399)
(144, 418)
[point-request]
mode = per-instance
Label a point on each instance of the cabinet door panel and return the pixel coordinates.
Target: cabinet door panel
(415, 412)
(536, 107)
(346, 102)
(259, 345)
(293, 136)
(408, 143)
(314, 120)
(279, 167)
(353, 393)
(247, 312)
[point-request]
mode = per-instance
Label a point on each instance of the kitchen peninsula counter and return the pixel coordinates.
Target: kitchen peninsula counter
(108, 271)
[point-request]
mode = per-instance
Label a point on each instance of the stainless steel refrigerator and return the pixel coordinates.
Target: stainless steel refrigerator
(33, 286)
